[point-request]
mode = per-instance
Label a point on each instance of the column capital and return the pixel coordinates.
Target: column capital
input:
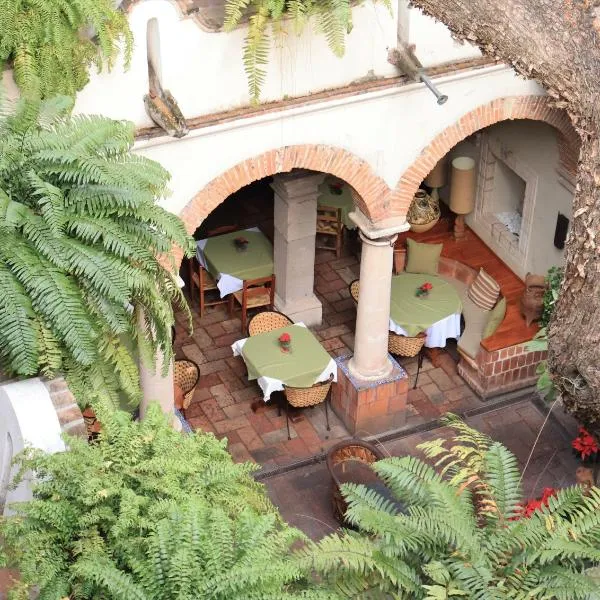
(382, 241)
(297, 184)
(386, 228)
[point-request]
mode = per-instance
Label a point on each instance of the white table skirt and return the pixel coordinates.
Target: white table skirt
(227, 284)
(268, 385)
(438, 333)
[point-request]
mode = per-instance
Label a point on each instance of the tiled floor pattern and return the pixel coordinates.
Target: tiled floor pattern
(552, 464)
(222, 402)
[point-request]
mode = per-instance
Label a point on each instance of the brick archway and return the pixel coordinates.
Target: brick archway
(370, 190)
(537, 108)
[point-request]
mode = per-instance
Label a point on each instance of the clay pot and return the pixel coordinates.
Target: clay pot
(423, 213)
(532, 300)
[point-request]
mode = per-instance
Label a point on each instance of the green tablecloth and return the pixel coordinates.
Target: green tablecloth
(417, 314)
(343, 201)
(222, 256)
(300, 367)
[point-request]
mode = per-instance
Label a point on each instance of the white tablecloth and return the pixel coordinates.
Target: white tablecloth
(438, 333)
(227, 284)
(268, 385)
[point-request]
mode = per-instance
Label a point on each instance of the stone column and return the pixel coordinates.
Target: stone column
(371, 393)
(157, 388)
(295, 215)
(371, 360)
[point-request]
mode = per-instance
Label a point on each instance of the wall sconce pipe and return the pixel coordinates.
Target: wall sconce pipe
(441, 98)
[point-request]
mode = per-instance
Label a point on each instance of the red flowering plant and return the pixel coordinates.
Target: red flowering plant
(585, 445)
(535, 504)
(424, 289)
(285, 341)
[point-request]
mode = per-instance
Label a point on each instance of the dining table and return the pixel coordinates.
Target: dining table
(305, 362)
(437, 313)
(230, 264)
(337, 196)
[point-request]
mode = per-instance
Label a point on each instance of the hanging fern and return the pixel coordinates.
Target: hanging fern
(80, 236)
(463, 534)
(50, 46)
(333, 18)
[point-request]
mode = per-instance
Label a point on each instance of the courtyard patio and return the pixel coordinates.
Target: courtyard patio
(226, 403)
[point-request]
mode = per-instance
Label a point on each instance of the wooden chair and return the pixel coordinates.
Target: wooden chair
(255, 294)
(267, 320)
(200, 278)
(329, 224)
(303, 397)
(402, 345)
(186, 375)
(354, 289)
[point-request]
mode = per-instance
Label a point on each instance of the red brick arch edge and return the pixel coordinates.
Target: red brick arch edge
(537, 108)
(370, 188)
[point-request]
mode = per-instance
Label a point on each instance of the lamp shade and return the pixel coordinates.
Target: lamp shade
(462, 185)
(437, 176)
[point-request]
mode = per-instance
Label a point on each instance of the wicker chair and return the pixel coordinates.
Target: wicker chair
(354, 287)
(401, 345)
(303, 397)
(267, 320)
(186, 375)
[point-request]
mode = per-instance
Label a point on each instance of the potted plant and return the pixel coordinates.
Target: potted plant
(423, 290)
(585, 446)
(285, 342)
(241, 244)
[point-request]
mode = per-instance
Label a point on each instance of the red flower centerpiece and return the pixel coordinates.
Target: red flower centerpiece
(585, 445)
(423, 291)
(241, 244)
(285, 341)
(335, 188)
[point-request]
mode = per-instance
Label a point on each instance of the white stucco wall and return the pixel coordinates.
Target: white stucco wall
(205, 73)
(534, 145)
(387, 128)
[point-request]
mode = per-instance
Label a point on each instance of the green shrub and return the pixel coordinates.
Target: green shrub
(554, 278)
(148, 513)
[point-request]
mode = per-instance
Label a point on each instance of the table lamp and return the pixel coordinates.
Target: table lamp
(437, 178)
(462, 192)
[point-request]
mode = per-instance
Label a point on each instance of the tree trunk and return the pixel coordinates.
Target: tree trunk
(556, 42)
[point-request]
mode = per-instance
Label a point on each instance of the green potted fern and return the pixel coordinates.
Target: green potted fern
(466, 533)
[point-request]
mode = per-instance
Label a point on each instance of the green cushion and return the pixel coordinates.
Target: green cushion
(423, 258)
(495, 318)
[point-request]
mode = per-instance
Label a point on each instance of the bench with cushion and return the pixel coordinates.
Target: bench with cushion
(479, 323)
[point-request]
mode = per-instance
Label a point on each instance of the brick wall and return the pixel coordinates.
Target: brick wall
(501, 371)
(67, 410)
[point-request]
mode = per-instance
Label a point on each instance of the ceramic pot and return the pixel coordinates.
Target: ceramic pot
(423, 213)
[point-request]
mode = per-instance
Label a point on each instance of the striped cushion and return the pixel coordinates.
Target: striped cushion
(484, 291)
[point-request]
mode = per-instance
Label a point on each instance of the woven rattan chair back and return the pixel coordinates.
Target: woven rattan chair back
(354, 287)
(267, 320)
(401, 345)
(304, 397)
(186, 375)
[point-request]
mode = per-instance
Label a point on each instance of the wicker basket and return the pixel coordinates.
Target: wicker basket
(402, 345)
(354, 288)
(186, 375)
(302, 397)
(344, 454)
(267, 321)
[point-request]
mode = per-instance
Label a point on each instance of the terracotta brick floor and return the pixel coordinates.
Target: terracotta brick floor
(222, 402)
(517, 425)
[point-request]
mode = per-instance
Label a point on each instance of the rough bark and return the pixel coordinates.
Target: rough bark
(557, 43)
